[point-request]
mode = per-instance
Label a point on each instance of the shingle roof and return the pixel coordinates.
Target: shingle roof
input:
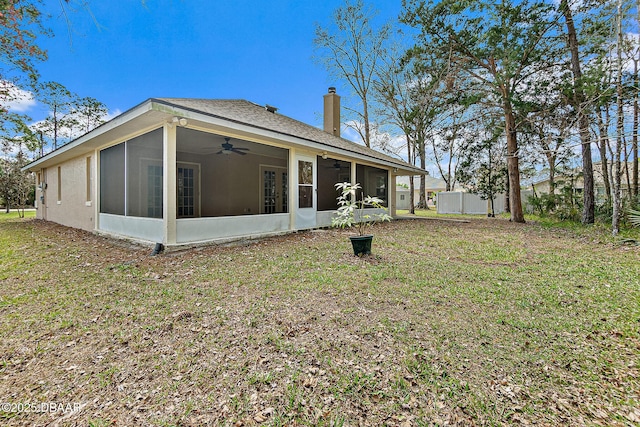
(257, 116)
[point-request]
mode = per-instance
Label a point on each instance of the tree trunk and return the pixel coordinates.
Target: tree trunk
(617, 173)
(507, 205)
(634, 143)
(423, 198)
(588, 211)
(604, 137)
(55, 127)
(627, 173)
(365, 118)
(515, 200)
(411, 156)
(551, 162)
(412, 209)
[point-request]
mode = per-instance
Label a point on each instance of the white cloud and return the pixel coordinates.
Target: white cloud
(15, 99)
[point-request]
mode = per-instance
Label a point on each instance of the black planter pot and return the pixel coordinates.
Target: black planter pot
(361, 244)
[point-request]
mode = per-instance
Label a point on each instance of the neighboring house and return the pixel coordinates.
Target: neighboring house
(179, 171)
(575, 181)
(432, 186)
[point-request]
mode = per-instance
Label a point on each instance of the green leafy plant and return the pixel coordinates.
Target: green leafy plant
(351, 212)
(634, 217)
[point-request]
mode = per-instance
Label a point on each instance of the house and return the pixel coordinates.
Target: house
(181, 171)
(432, 186)
(572, 178)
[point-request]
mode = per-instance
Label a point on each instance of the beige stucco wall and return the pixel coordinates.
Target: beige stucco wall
(65, 202)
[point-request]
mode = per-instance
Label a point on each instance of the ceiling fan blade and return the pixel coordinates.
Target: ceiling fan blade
(236, 150)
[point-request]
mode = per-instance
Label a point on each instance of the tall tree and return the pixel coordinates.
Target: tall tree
(635, 90)
(393, 92)
(617, 169)
(603, 118)
(88, 113)
(60, 101)
(578, 101)
(483, 169)
(15, 184)
(20, 26)
(352, 51)
(499, 45)
(548, 132)
(407, 98)
(448, 146)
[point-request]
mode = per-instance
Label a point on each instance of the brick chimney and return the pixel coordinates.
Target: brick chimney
(332, 112)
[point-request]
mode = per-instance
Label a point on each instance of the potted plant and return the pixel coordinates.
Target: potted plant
(351, 213)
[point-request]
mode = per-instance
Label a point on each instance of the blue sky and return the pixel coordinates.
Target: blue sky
(242, 49)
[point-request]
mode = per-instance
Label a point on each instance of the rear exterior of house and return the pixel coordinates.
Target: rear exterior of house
(182, 171)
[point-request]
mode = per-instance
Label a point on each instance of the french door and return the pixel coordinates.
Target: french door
(274, 196)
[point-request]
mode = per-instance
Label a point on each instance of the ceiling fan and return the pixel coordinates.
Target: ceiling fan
(337, 166)
(228, 148)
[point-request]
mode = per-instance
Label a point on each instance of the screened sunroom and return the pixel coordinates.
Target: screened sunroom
(182, 171)
(217, 179)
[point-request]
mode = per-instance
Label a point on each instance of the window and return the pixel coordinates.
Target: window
(269, 191)
(285, 191)
(186, 192)
(59, 185)
(402, 197)
(88, 179)
(154, 191)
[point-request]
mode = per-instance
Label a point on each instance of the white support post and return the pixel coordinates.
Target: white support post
(95, 185)
(293, 188)
(169, 183)
(391, 194)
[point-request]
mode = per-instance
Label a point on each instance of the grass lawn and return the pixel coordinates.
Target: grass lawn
(448, 323)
